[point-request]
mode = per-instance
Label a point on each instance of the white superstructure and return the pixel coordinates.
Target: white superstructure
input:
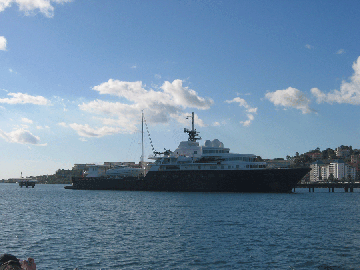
(124, 171)
(120, 171)
(211, 156)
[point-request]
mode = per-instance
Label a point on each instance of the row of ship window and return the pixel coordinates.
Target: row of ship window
(242, 158)
(214, 167)
(215, 151)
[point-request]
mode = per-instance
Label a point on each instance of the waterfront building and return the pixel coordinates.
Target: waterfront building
(343, 151)
(355, 162)
(355, 158)
(339, 170)
(82, 167)
(315, 173)
(336, 169)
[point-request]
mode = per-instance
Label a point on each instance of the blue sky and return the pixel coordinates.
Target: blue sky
(270, 78)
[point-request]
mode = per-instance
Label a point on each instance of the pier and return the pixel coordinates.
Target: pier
(347, 186)
(27, 183)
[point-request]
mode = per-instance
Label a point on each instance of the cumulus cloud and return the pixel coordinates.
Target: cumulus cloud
(26, 120)
(118, 114)
(242, 103)
(29, 7)
(87, 131)
(184, 97)
(248, 122)
(21, 136)
(349, 90)
(173, 94)
(160, 105)
(41, 127)
(251, 111)
(290, 98)
(62, 124)
(3, 41)
(20, 98)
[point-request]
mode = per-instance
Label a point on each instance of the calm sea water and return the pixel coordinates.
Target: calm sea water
(64, 229)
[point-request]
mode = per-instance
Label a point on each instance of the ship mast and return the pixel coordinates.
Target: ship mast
(142, 138)
(192, 133)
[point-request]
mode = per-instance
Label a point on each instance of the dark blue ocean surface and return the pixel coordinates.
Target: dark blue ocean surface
(64, 229)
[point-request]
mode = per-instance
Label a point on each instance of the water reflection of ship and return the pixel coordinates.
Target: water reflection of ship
(207, 168)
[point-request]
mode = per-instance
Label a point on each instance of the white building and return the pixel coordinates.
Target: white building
(342, 152)
(315, 173)
(337, 168)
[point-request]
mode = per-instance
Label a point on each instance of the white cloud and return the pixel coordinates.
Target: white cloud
(290, 98)
(242, 103)
(20, 98)
(26, 120)
(4, 4)
(160, 105)
(173, 94)
(41, 127)
(216, 124)
(87, 131)
(251, 110)
(21, 136)
(30, 6)
(248, 122)
(184, 97)
(3, 41)
(111, 108)
(349, 90)
(62, 124)
(341, 51)
(310, 47)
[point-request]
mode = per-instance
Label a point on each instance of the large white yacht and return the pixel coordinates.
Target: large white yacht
(207, 168)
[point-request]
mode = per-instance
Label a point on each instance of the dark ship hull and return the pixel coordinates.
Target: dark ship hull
(265, 180)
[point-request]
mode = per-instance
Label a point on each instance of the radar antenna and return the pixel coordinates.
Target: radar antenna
(192, 133)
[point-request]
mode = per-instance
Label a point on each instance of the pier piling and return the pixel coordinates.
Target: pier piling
(347, 186)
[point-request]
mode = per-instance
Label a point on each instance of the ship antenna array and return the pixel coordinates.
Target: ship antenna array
(148, 132)
(192, 133)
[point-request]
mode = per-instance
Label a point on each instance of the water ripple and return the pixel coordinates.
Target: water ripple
(65, 229)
